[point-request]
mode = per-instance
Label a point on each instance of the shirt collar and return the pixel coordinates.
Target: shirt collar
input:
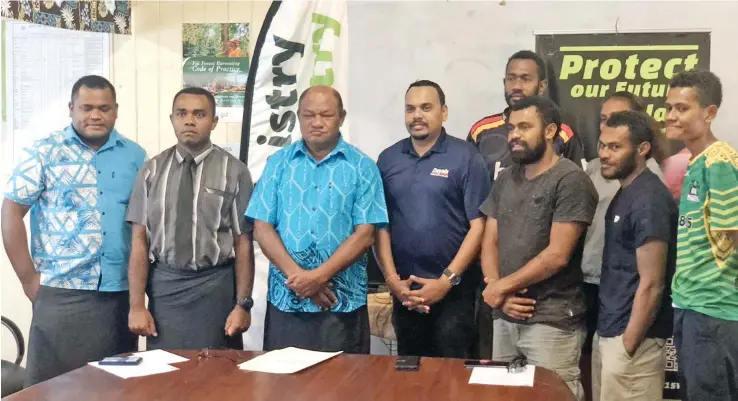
(115, 138)
(198, 159)
(341, 147)
(441, 145)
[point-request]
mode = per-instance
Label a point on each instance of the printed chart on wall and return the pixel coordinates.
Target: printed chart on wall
(591, 66)
(41, 66)
(216, 58)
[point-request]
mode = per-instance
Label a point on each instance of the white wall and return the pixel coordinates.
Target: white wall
(464, 45)
(146, 69)
(461, 45)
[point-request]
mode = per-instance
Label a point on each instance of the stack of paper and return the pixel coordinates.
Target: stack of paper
(499, 376)
(154, 362)
(286, 361)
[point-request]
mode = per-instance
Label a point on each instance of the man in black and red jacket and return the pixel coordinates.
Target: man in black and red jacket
(525, 75)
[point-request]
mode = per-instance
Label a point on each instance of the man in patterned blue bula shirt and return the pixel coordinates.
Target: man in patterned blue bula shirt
(76, 183)
(315, 209)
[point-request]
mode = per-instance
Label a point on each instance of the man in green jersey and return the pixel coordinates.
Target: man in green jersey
(705, 285)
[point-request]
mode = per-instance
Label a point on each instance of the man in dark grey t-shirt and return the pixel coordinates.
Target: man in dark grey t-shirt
(541, 207)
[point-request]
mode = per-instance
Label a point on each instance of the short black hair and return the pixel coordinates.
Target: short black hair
(546, 108)
(639, 127)
(339, 99)
(425, 82)
(193, 90)
(708, 86)
(529, 55)
(92, 82)
(634, 102)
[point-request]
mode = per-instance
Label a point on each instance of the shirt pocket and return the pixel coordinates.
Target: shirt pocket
(120, 182)
(214, 207)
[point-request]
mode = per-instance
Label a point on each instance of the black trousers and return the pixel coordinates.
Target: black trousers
(592, 301)
(448, 331)
(707, 349)
(317, 331)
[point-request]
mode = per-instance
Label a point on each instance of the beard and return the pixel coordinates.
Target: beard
(510, 101)
(623, 170)
(420, 137)
(528, 155)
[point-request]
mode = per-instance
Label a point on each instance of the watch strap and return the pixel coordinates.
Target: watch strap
(451, 276)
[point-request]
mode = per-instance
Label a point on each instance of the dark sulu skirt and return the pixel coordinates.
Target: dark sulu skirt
(70, 328)
(190, 308)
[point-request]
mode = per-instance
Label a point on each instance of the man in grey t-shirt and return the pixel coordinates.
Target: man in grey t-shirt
(541, 207)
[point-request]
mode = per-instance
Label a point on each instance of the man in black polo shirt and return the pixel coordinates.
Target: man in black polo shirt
(434, 184)
(638, 262)
(537, 213)
(525, 75)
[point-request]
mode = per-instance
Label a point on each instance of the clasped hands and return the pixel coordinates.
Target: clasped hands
(419, 300)
(510, 303)
(313, 285)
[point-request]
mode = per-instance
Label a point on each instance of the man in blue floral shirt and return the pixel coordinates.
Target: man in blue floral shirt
(315, 210)
(76, 183)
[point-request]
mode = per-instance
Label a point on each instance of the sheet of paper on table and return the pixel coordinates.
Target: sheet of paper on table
(286, 361)
(142, 369)
(160, 356)
(153, 362)
(501, 377)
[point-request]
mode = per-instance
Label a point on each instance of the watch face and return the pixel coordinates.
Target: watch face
(246, 303)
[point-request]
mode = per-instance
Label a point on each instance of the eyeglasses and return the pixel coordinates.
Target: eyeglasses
(208, 353)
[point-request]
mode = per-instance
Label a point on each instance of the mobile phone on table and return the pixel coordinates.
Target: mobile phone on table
(476, 363)
(121, 360)
(407, 363)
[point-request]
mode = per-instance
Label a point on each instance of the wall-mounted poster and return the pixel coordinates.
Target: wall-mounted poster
(216, 58)
(588, 67)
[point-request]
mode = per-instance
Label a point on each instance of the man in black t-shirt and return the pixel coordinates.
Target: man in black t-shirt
(638, 260)
(543, 204)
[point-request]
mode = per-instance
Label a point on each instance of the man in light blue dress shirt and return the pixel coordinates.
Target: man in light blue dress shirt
(315, 209)
(76, 183)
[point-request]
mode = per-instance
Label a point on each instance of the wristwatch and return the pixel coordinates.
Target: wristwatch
(452, 277)
(246, 303)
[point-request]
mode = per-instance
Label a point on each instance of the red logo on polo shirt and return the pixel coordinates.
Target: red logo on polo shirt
(440, 172)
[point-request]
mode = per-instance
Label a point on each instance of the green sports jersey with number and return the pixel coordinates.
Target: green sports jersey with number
(706, 278)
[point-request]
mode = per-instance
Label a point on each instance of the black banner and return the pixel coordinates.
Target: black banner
(586, 68)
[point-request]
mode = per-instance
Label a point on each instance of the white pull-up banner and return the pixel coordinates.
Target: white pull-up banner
(301, 44)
